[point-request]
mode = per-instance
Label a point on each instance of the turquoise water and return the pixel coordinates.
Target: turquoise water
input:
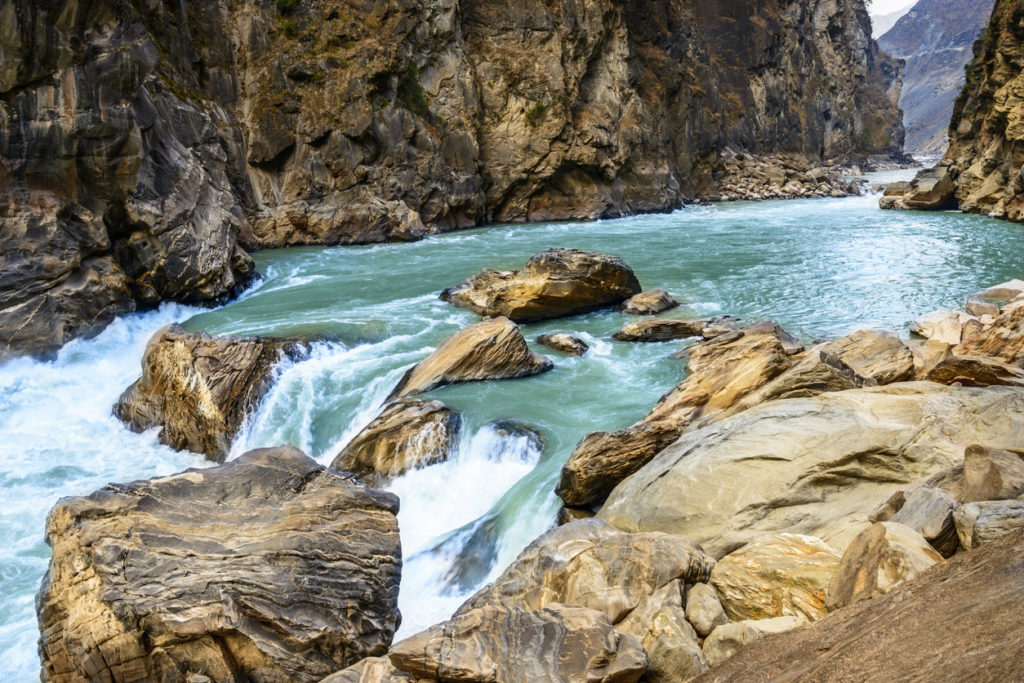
(821, 268)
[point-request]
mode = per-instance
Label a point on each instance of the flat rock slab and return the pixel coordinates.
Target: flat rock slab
(959, 621)
(269, 568)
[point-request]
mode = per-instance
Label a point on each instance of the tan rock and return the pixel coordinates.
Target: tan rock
(659, 622)
(406, 435)
(491, 349)
(880, 558)
(932, 189)
(370, 670)
(651, 302)
(564, 343)
(555, 283)
(704, 610)
(944, 325)
(660, 329)
(986, 521)
(783, 575)
(270, 567)
(814, 466)
(927, 354)
(876, 355)
(991, 474)
(929, 511)
(975, 371)
(1002, 340)
(198, 389)
(510, 645)
(989, 301)
(725, 641)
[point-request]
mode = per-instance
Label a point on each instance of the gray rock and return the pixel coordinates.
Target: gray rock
(992, 474)
(564, 343)
(703, 609)
(727, 640)
(929, 511)
(986, 521)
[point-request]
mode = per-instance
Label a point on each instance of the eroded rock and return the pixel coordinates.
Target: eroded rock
(727, 640)
(985, 521)
(876, 355)
(564, 343)
(660, 330)
(651, 302)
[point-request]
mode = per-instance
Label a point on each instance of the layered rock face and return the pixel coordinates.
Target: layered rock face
(143, 142)
(268, 568)
(934, 39)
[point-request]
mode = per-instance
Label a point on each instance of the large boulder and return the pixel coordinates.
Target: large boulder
(783, 575)
(876, 355)
(704, 609)
(651, 302)
(270, 568)
(491, 349)
(510, 644)
(722, 371)
(555, 283)
(876, 561)
(727, 640)
(991, 474)
(958, 621)
(406, 435)
(815, 466)
(932, 189)
(198, 389)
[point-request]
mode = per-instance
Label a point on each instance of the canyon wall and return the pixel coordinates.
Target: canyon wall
(147, 145)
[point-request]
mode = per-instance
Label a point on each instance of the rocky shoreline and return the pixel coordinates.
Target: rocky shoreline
(866, 462)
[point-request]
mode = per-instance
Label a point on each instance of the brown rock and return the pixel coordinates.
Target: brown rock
(553, 284)
(876, 355)
(491, 349)
(784, 575)
(975, 371)
(660, 329)
(927, 354)
(568, 514)
(727, 640)
(510, 645)
(564, 343)
(269, 567)
(931, 190)
(944, 325)
(198, 388)
(406, 435)
(1002, 340)
(879, 559)
(961, 617)
(651, 302)
(991, 474)
(986, 521)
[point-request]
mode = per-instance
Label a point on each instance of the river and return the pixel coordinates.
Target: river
(821, 268)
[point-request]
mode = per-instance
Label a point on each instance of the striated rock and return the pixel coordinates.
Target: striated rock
(877, 355)
(813, 466)
(986, 521)
(932, 189)
(944, 325)
(660, 330)
(879, 559)
(492, 349)
(406, 435)
(927, 354)
(704, 610)
(667, 637)
(991, 474)
(553, 284)
(568, 514)
(791, 344)
(269, 567)
(198, 389)
(784, 575)
(1003, 340)
(929, 512)
(723, 371)
(727, 640)
(564, 343)
(651, 302)
(589, 563)
(961, 618)
(974, 371)
(370, 670)
(557, 643)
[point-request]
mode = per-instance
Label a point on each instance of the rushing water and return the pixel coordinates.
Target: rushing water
(819, 267)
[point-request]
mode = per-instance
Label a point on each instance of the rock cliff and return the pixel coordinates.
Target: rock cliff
(146, 144)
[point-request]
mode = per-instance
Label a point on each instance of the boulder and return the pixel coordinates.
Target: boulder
(991, 474)
(944, 325)
(651, 302)
(783, 575)
(927, 354)
(491, 349)
(511, 644)
(406, 435)
(986, 521)
(589, 563)
(722, 371)
(989, 301)
(659, 622)
(929, 512)
(270, 567)
(814, 466)
(931, 190)
(727, 640)
(974, 371)
(660, 330)
(198, 389)
(553, 284)
(791, 344)
(958, 621)
(879, 559)
(704, 610)
(564, 343)
(876, 355)
(1002, 340)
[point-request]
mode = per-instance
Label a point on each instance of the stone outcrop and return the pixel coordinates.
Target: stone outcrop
(961, 617)
(144, 145)
(198, 389)
(727, 640)
(783, 575)
(268, 568)
(406, 435)
(660, 330)
(651, 302)
(491, 349)
(553, 284)
(814, 466)
(564, 343)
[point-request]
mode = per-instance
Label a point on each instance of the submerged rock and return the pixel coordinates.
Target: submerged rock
(270, 567)
(651, 302)
(491, 349)
(553, 284)
(406, 435)
(198, 389)
(564, 343)
(660, 329)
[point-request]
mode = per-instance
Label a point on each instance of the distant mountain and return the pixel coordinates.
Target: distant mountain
(935, 39)
(880, 23)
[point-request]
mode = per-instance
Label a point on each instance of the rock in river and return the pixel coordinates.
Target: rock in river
(564, 343)
(491, 349)
(268, 568)
(660, 329)
(407, 434)
(651, 302)
(554, 283)
(198, 388)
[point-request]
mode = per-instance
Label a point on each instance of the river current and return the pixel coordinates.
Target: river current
(821, 268)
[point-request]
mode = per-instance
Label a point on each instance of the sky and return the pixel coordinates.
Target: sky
(887, 6)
